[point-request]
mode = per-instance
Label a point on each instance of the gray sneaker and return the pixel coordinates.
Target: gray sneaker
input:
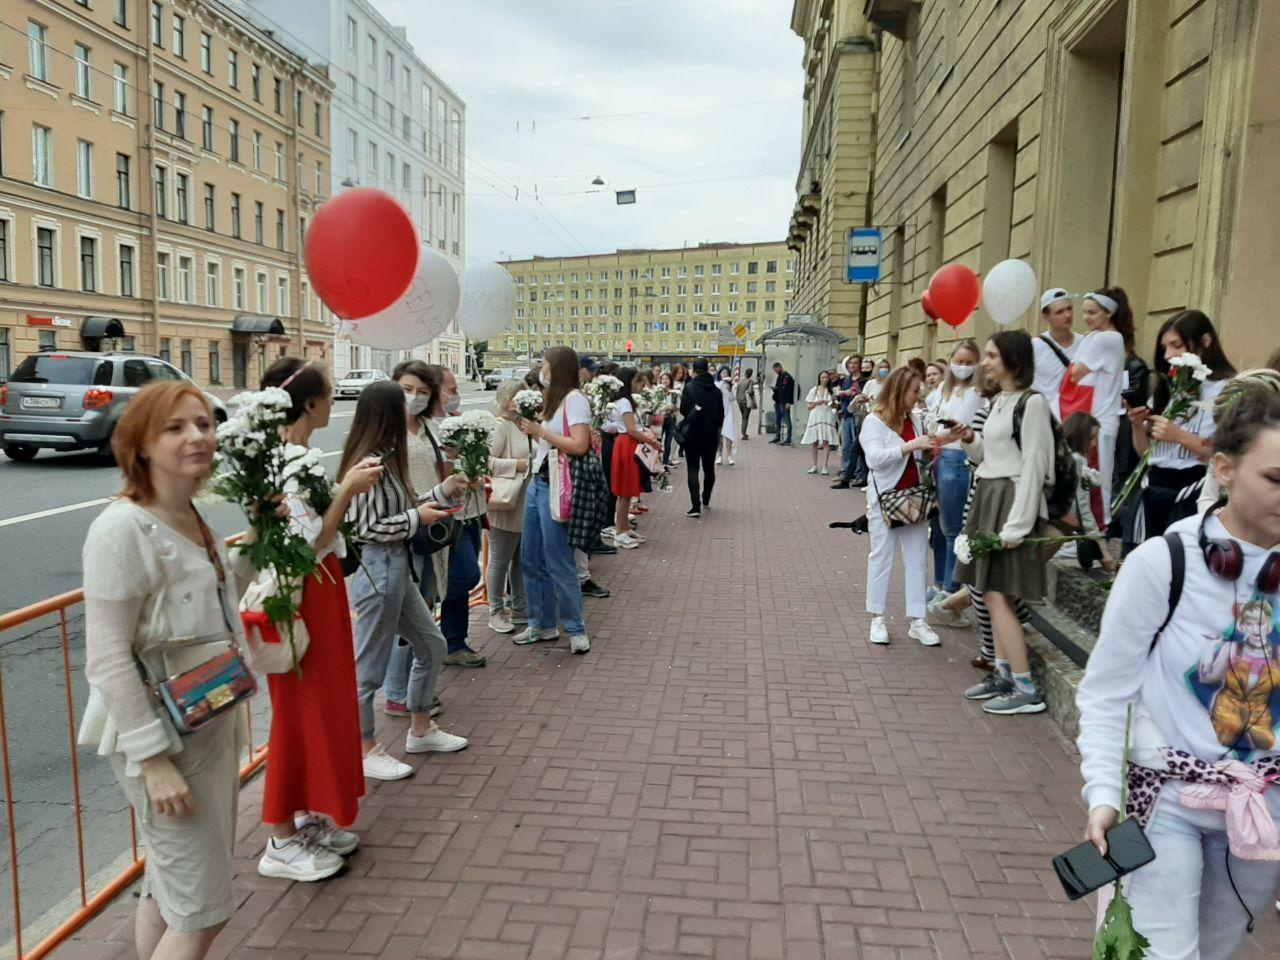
(1016, 702)
(991, 686)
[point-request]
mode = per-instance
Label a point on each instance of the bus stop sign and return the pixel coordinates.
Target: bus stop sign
(862, 255)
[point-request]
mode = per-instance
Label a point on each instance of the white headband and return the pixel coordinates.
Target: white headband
(1105, 302)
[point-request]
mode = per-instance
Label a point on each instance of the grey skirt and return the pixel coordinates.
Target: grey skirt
(1015, 573)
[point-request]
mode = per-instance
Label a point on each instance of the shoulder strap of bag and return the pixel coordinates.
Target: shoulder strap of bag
(218, 569)
(1019, 409)
(436, 447)
(1178, 576)
(1066, 361)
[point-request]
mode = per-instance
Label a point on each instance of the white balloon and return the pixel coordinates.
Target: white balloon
(421, 314)
(1008, 289)
(488, 303)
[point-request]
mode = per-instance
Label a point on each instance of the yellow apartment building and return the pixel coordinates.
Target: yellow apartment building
(675, 302)
(158, 163)
(1127, 142)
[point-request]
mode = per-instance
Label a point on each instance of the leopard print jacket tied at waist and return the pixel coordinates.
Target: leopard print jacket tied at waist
(1233, 787)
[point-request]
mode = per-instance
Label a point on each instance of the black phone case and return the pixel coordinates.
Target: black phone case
(1083, 870)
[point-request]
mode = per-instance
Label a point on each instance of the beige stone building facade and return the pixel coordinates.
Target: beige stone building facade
(158, 164)
(673, 302)
(1127, 142)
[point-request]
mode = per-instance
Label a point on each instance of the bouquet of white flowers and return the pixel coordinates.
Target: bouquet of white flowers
(529, 404)
(600, 393)
(469, 436)
(254, 466)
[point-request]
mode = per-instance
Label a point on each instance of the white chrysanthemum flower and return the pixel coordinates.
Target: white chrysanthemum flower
(963, 553)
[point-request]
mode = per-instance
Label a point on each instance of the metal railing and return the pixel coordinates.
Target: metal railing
(91, 902)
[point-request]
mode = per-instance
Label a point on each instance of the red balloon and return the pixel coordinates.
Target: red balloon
(926, 304)
(954, 292)
(361, 252)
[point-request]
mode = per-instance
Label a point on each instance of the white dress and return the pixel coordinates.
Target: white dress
(821, 427)
(731, 429)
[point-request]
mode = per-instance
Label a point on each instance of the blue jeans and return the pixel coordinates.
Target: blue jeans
(953, 491)
(853, 465)
(550, 572)
(464, 574)
(781, 415)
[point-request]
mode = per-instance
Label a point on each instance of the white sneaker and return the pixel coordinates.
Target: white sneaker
(530, 635)
(434, 740)
(948, 618)
(719, 459)
(298, 858)
(637, 538)
(826, 472)
(380, 765)
(626, 541)
(879, 632)
(578, 643)
(501, 623)
(733, 462)
(331, 837)
(812, 470)
(924, 633)
(609, 532)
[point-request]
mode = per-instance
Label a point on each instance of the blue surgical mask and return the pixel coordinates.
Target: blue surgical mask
(453, 404)
(882, 374)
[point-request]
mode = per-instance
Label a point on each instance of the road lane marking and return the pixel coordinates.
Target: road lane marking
(55, 511)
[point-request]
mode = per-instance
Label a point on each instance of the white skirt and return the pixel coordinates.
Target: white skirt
(820, 430)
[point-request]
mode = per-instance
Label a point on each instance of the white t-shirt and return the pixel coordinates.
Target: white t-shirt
(613, 422)
(1174, 456)
(961, 406)
(1103, 353)
(577, 409)
(873, 388)
(1050, 369)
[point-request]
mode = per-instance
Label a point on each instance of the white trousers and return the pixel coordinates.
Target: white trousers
(1183, 901)
(913, 541)
(1108, 430)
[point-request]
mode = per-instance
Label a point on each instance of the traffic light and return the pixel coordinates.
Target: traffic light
(631, 345)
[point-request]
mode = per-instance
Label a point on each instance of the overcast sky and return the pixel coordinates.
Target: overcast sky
(544, 60)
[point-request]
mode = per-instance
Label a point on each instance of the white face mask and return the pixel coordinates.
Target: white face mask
(962, 371)
(543, 378)
(453, 404)
(417, 403)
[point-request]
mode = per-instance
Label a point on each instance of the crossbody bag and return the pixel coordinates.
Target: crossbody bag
(902, 508)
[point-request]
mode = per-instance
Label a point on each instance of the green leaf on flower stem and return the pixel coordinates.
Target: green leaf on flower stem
(1117, 939)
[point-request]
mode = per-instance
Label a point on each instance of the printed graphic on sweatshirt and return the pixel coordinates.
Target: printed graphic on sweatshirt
(1238, 680)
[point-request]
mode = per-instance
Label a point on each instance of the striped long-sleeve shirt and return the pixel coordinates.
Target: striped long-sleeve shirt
(386, 513)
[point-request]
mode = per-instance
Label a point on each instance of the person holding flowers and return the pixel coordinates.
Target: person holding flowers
(626, 471)
(1199, 667)
(315, 781)
(1008, 499)
(1173, 437)
(386, 600)
(1081, 434)
(510, 454)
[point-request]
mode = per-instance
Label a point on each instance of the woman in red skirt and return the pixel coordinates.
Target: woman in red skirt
(315, 777)
(625, 473)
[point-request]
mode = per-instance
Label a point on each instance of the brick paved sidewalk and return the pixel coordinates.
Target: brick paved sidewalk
(732, 771)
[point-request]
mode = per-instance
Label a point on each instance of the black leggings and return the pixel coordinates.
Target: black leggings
(706, 459)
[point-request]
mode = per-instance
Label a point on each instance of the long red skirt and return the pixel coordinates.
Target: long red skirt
(624, 477)
(314, 758)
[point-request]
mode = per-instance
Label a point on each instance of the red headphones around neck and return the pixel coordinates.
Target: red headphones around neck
(1225, 559)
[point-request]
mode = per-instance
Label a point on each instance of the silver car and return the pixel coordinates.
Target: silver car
(71, 400)
(354, 382)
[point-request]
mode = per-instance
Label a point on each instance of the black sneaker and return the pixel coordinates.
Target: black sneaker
(859, 481)
(603, 548)
(695, 513)
(841, 484)
(592, 589)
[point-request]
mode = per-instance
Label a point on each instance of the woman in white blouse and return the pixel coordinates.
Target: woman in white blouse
(959, 400)
(158, 602)
(1008, 500)
(1099, 365)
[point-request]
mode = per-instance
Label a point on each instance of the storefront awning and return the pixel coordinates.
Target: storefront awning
(101, 327)
(254, 323)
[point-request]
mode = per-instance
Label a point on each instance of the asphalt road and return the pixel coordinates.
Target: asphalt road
(46, 507)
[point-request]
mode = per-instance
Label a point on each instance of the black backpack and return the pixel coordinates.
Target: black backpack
(1060, 493)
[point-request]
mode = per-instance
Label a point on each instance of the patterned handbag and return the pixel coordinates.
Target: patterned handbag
(901, 508)
(561, 480)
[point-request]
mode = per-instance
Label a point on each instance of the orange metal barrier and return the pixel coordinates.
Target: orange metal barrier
(90, 904)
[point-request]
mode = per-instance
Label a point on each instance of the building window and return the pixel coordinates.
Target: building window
(37, 63)
(257, 222)
(261, 285)
(179, 37)
(206, 52)
(181, 186)
(186, 358)
(44, 256)
(206, 127)
(282, 296)
(257, 150)
(162, 192)
(84, 168)
(157, 103)
(215, 362)
(235, 215)
(120, 12)
(126, 270)
(771, 266)
(41, 162)
(319, 179)
(279, 229)
(405, 176)
(4, 263)
(306, 301)
(352, 32)
(255, 82)
(48, 340)
(753, 268)
(120, 87)
(277, 94)
(208, 207)
(353, 146)
(157, 23)
(233, 130)
(318, 117)
(180, 114)
(372, 52)
(82, 72)
(88, 264)
(184, 280)
(162, 278)
(165, 352)
(233, 69)
(279, 160)
(237, 287)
